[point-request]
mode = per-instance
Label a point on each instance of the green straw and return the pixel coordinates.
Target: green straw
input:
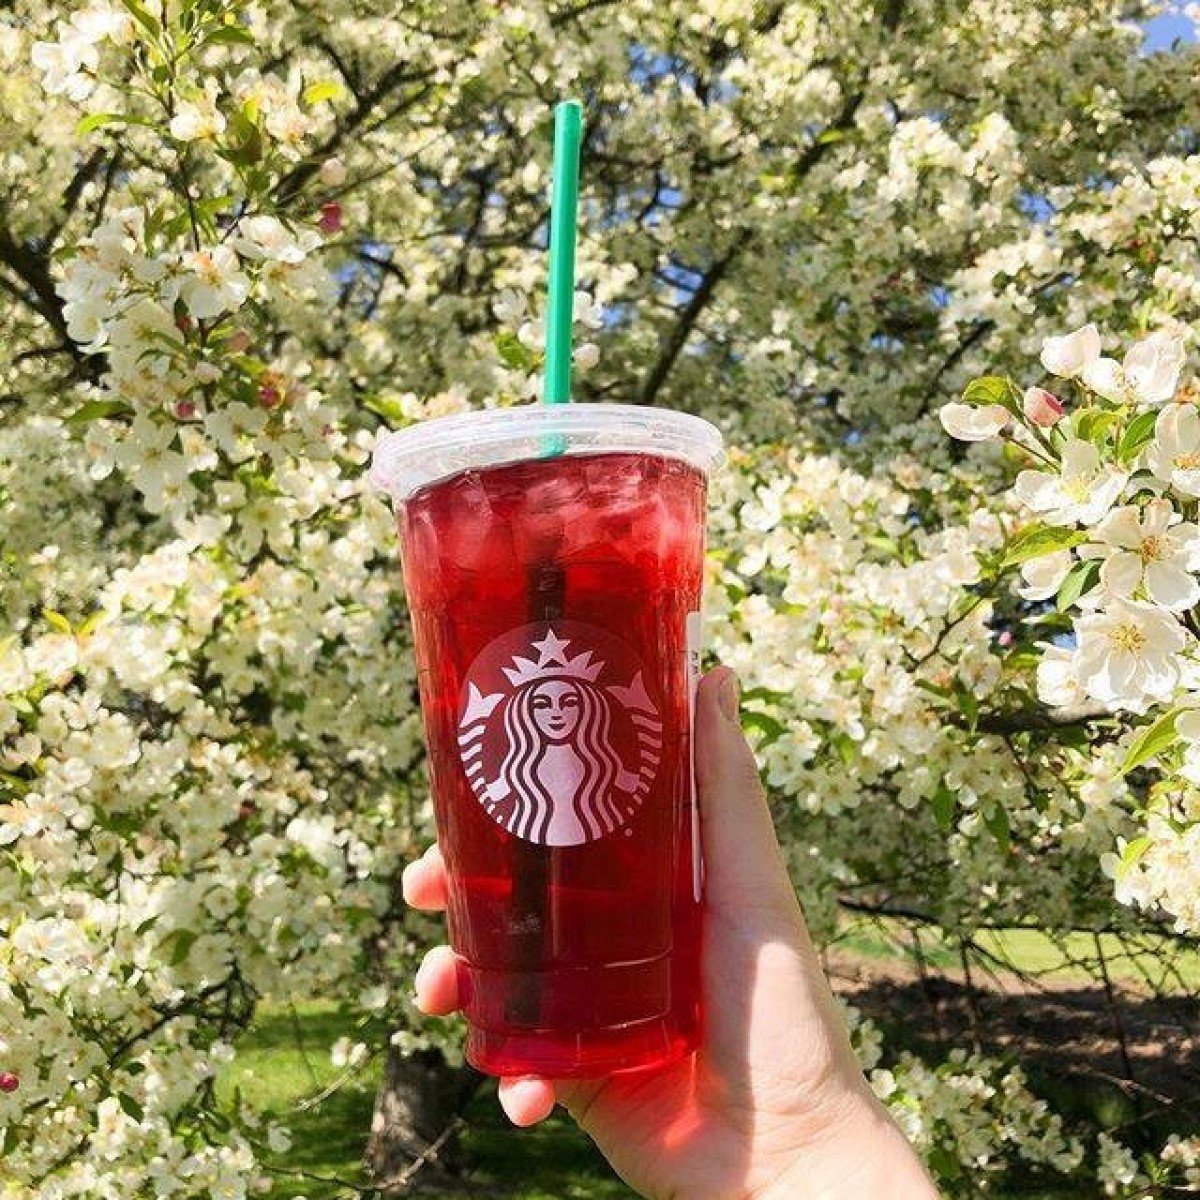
(568, 125)
(532, 934)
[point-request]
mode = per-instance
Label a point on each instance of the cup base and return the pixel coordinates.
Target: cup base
(646, 1046)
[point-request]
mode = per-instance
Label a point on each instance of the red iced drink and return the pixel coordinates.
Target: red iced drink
(553, 603)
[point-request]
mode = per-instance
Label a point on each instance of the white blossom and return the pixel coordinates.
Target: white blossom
(1149, 374)
(1058, 682)
(213, 283)
(1128, 654)
(1070, 355)
(198, 116)
(1082, 492)
(1174, 454)
(1150, 549)
(973, 423)
(1042, 577)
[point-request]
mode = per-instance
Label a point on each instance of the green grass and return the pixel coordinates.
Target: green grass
(1069, 959)
(283, 1062)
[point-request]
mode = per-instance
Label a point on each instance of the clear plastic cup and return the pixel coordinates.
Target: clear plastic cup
(553, 560)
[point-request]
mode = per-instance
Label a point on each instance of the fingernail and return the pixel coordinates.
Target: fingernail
(728, 695)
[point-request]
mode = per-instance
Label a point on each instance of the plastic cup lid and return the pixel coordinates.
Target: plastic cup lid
(408, 459)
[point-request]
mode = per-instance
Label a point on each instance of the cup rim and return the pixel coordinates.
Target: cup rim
(406, 460)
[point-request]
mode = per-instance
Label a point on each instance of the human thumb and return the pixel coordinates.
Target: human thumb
(744, 867)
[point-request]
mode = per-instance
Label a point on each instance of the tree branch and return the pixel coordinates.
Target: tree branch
(82, 177)
(30, 267)
(676, 339)
(292, 184)
(816, 150)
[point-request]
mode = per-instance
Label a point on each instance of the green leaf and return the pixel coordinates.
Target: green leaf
(1036, 540)
(1077, 737)
(771, 728)
(1133, 853)
(1081, 578)
(1093, 425)
(832, 135)
(845, 746)
(96, 121)
(1137, 434)
(245, 142)
(322, 90)
(95, 410)
(1022, 659)
(992, 389)
(388, 408)
(14, 782)
(56, 620)
(968, 705)
(230, 35)
(944, 1163)
(1156, 737)
(997, 824)
(131, 1106)
(214, 205)
(942, 693)
(944, 805)
(181, 942)
(514, 352)
(142, 17)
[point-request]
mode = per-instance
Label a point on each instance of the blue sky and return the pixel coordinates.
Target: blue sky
(1164, 30)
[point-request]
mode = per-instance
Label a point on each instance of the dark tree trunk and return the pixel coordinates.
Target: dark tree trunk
(419, 1099)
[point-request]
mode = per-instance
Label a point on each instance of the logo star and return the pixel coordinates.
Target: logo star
(552, 648)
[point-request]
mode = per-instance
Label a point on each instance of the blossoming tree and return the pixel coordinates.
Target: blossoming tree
(240, 237)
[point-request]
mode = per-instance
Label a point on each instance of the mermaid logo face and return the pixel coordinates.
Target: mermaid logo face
(560, 740)
(555, 706)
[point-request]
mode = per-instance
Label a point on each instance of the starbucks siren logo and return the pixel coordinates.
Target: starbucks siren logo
(559, 738)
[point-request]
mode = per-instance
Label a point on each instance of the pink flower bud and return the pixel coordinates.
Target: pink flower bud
(269, 396)
(1005, 639)
(185, 410)
(331, 217)
(333, 172)
(1042, 407)
(8, 1082)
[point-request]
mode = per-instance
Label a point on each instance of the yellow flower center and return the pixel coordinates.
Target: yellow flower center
(204, 266)
(1187, 462)
(1152, 548)
(1077, 489)
(1128, 638)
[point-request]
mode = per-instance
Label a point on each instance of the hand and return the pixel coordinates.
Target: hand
(774, 1104)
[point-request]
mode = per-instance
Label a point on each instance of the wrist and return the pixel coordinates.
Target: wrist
(863, 1154)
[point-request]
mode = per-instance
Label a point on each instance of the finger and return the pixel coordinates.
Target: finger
(756, 931)
(527, 1100)
(435, 984)
(424, 881)
(743, 862)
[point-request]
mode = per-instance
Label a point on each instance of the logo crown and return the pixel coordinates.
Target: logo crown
(552, 661)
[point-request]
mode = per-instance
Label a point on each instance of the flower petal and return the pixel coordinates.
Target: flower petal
(1170, 585)
(1121, 574)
